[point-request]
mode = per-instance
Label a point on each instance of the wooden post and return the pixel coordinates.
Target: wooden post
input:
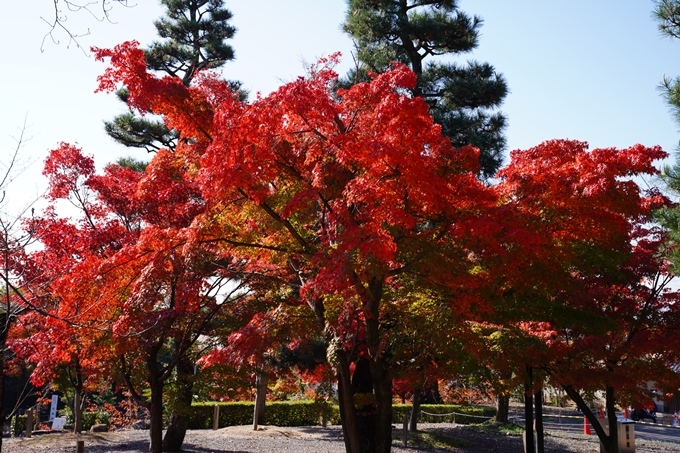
(216, 417)
(29, 423)
(404, 435)
(255, 416)
(80, 446)
(261, 381)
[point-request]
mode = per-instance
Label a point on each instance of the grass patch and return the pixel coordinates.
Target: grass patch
(435, 439)
(492, 426)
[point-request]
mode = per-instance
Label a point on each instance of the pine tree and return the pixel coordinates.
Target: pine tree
(194, 33)
(667, 13)
(463, 98)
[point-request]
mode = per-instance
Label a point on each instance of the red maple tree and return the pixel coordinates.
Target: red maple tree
(349, 196)
(577, 269)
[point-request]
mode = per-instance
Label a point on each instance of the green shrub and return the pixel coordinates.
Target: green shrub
(94, 418)
(231, 414)
(293, 413)
(278, 413)
(89, 417)
(18, 424)
(306, 413)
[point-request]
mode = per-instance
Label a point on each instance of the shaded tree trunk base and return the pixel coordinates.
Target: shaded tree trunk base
(502, 409)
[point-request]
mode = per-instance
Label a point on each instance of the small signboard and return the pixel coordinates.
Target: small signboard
(53, 407)
(58, 424)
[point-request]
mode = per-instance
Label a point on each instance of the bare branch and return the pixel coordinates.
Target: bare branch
(60, 18)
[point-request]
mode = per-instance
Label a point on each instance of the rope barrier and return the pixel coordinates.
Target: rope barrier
(454, 413)
(579, 417)
(639, 422)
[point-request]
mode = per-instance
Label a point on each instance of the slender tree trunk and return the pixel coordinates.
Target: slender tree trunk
(4, 331)
(528, 413)
(181, 406)
(338, 356)
(538, 403)
(348, 419)
(590, 416)
(365, 405)
(261, 382)
(76, 379)
(502, 408)
(156, 415)
(382, 385)
(156, 404)
(415, 410)
(77, 409)
(382, 380)
(611, 418)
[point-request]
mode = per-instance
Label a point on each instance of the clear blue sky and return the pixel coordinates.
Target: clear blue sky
(579, 69)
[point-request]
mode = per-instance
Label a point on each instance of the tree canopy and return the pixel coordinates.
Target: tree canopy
(463, 99)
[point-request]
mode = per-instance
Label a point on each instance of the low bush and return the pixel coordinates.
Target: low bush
(18, 424)
(278, 413)
(231, 414)
(90, 418)
(95, 418)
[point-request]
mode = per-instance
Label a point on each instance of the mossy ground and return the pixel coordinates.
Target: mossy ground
(433, 438)
(492, 426)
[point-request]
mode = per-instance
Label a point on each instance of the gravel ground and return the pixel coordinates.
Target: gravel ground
(242, 439)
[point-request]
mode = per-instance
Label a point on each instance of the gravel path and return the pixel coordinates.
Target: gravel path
(242, 439)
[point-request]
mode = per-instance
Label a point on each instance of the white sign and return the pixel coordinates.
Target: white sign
(53, 407)
(58, 424)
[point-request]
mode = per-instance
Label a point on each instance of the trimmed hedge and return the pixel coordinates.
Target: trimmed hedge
(296, 413)
(306, 413)
(278, 413)
(231, 414)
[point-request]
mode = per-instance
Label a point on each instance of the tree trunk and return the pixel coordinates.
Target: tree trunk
(502, 408)
(382, 385)
(181, 406)
(4, 331)
(261, 381)
(528, 413)
(591, 417)
(538, 403)
(611, 418)
(77, 409)
(365, 405)
(339, 358)
(503, 402)
(348, 419)
(156, 404)
(382, 380)
(415, 410)
(156, 415)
